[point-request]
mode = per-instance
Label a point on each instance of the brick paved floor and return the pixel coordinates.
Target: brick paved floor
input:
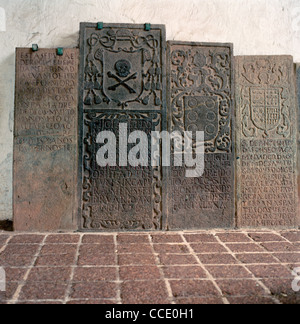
(171, 268)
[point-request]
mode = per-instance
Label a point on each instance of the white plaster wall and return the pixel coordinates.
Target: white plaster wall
(254, 26)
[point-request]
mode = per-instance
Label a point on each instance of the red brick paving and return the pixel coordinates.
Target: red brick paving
(203, 267)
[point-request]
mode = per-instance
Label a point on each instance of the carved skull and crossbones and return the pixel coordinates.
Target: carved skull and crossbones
(122, 68)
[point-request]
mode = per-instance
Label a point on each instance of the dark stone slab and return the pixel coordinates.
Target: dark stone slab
(201, 99)
(266, 141)
(122, 81)
(45, 140)
(298, 158)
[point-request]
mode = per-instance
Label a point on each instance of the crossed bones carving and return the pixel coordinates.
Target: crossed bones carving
(122, 82)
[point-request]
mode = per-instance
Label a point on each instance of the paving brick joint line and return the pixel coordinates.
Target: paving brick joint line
(186, 267)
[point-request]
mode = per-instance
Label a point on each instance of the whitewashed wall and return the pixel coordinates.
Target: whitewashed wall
(254, 26)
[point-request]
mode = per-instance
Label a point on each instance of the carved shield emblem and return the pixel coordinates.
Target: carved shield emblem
(201, 114)
(122, 76)
(265, 108)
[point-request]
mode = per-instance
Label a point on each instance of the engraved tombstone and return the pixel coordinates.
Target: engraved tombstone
(123, 90)
(200, 98)
(266, 141)
(45, 140)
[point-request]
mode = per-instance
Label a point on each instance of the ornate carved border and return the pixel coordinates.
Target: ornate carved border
(195, 74)
(140, 74)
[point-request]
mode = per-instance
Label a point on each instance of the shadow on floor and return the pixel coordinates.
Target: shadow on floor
(6, 226)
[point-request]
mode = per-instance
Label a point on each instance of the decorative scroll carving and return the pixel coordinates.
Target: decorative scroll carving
(200, 86)
(111, 82)
(109, 186)
(123, 81)
(201, 99)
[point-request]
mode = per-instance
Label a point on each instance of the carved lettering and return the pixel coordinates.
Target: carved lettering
(266, 142)
(123, 83)
(200, 99)
(45, 142)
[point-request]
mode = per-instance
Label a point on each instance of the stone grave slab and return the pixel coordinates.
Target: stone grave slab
(266, 141)
(200, 98)
(122, 90)
(45, 140)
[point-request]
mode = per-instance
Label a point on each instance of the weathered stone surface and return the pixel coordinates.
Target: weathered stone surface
(123, 81)
(255, 27)
(201, 99)
(45, 140)
(266, 141)
(298, 158)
